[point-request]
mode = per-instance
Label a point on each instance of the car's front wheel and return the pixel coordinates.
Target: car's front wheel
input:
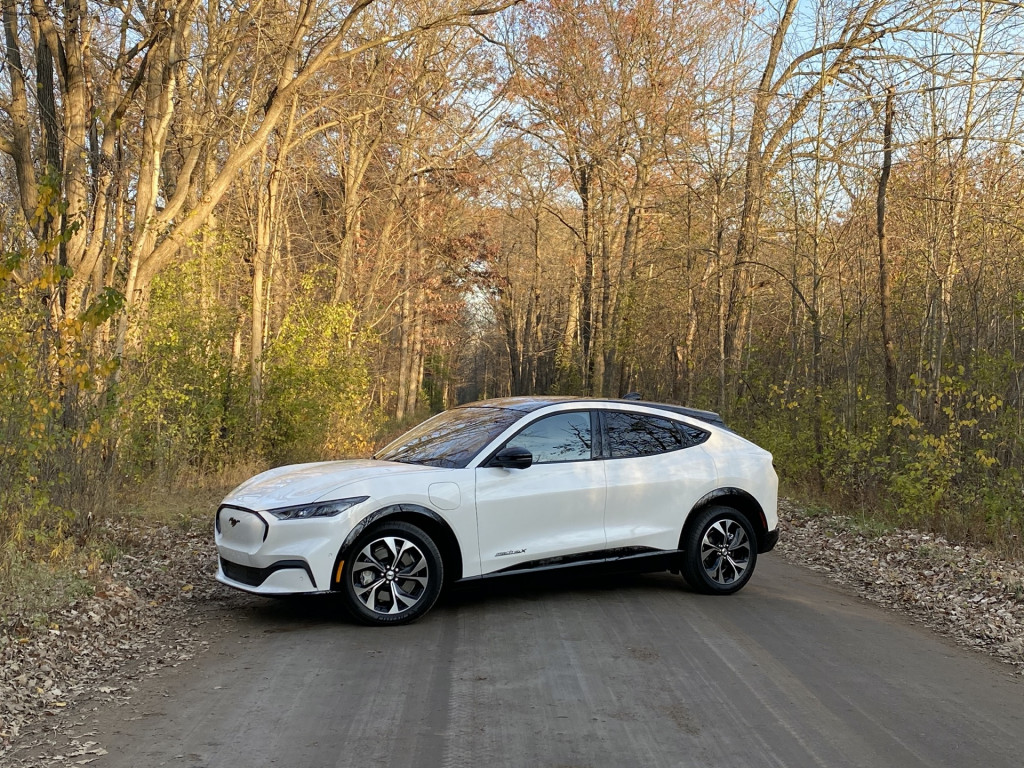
(720, 551)
(393, 574)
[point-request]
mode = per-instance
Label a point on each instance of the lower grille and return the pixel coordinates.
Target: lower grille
(254, 577)
(245, 574)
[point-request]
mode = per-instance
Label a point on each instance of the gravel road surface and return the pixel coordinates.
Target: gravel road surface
(614, 671)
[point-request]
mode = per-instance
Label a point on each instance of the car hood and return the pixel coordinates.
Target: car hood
(302, 483)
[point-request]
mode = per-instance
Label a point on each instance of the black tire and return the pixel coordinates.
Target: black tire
(392, 574)
(720, 551)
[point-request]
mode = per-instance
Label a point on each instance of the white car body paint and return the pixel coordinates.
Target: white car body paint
(501, 518)
(545, 511)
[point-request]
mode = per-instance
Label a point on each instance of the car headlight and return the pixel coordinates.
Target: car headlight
(316, 509)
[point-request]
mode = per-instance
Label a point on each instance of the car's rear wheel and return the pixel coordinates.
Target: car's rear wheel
(392, 575)
(720, 551)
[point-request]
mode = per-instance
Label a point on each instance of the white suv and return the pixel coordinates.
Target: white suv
(503, 487)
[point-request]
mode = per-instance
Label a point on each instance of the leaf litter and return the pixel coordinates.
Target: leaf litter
(147, 613)
(966, 593)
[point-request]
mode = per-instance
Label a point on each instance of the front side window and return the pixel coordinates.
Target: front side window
(556, 438)
(637, 434)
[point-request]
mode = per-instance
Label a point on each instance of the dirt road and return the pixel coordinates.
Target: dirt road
(617, 671)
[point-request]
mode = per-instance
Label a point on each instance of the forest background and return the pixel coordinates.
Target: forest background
(243, 233)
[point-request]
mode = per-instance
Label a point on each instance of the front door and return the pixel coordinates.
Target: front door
(554, 507)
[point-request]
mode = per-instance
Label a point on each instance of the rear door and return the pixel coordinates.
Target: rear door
(656, 471)
(554, 508)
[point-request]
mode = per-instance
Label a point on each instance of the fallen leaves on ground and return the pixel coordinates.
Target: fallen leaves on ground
(144, 615)
(966, 593)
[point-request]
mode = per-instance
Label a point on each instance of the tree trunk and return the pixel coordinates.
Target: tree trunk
(888, 347)
(21, 131)
(738, 312)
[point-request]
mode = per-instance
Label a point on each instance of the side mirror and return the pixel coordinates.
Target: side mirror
(512, 457)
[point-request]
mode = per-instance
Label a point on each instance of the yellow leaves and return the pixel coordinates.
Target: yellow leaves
(90, 434)
(904, 418)
(49, 277)
(985, 460)
(64, 547)
(44, 282)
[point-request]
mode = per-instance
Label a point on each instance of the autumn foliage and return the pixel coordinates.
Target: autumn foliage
(278, 232)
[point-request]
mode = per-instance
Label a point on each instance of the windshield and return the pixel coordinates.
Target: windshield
(450, 439)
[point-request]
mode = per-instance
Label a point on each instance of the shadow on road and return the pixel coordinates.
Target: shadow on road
(546, 586)
(299, 612)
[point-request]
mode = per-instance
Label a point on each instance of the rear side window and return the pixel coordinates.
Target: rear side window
(556, 438)
(638, 434)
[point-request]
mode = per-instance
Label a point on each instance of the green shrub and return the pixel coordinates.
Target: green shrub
(316, 400)
(179, 398)
(51, 412)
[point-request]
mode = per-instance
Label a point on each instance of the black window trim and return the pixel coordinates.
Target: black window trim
(684, 438)
(596, 438)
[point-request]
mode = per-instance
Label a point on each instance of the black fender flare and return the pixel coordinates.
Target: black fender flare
(742, 501)
(407, 512)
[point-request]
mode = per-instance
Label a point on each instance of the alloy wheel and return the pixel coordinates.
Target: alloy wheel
(725, 551)
(390, 575)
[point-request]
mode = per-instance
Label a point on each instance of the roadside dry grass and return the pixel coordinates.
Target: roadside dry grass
(49, 569)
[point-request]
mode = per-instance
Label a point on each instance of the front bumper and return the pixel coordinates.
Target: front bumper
(260, 554)
(284, 577)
